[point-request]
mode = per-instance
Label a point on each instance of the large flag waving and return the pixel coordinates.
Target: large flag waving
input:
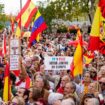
(97, 35)
(78, 58)
(12, 24)
(18, 29)
(38, 27)
(27, 12)
(6, 90)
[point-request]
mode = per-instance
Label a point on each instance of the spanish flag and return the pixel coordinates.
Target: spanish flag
(97, 35)
(18, 30)
(26, 14)
(6, 90)
(78, 58)
(88, 57)
(12, 24)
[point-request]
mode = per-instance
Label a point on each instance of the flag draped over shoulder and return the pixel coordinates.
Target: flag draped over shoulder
(26, 14)
(77, 63)
(6, 90)
(38, 26)
(97, 35)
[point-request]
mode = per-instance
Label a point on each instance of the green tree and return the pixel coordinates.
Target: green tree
(68, 10)
(1, 8)
(3, 17)
(88, 7)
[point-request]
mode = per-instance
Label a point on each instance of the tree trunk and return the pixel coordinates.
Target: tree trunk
(91, 11)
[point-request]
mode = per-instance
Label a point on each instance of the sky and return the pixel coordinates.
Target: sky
(13, 6)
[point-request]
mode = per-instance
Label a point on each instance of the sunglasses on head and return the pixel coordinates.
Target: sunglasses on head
(90, 95)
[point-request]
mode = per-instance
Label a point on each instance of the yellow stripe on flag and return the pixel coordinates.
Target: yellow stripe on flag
(96, 23)
(78, 69)
(6, 90)
(18, 32)
(37, 15)
(38, 37)
(87, 60)
(26, 13)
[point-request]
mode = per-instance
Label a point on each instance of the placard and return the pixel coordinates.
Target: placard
(14, 54)
(14, 47)
(14, 62)
(57, 63)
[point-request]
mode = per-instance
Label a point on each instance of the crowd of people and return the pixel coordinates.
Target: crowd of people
(37, 86)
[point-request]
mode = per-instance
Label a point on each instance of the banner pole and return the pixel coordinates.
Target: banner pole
(20, 17)
(98, 70)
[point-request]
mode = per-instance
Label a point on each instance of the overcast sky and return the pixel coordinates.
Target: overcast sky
(13, 6)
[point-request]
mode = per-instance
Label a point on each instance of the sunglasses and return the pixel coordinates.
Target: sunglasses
(102, 83)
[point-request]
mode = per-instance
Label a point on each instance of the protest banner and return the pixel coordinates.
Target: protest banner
(14, 54)
(14, 47)
(14, 62)
(57, 63)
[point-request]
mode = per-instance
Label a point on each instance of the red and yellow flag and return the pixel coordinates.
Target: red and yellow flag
(26, 14)
(18, 29)
(78, 58)
(12, 24)
(97, 35)
(6, 90)
(88, 57)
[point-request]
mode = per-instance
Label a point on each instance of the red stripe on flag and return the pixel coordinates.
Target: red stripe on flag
(6, 73)
(72, 68)
(16, 72)
(12, 25)
(23, 10)
(30, 16)
(93, 43)
(6, 91)
(36, 32)
(19, 23)
(27, 82)
(102, 6)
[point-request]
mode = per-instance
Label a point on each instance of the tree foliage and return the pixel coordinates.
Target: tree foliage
(68, 9)
(3, 17)
(1, 8)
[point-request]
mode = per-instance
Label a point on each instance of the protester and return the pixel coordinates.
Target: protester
(37, 86)
(65, 79)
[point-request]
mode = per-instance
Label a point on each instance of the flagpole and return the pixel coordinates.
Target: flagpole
(97, 70)
(20, 33)
(20, 16)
